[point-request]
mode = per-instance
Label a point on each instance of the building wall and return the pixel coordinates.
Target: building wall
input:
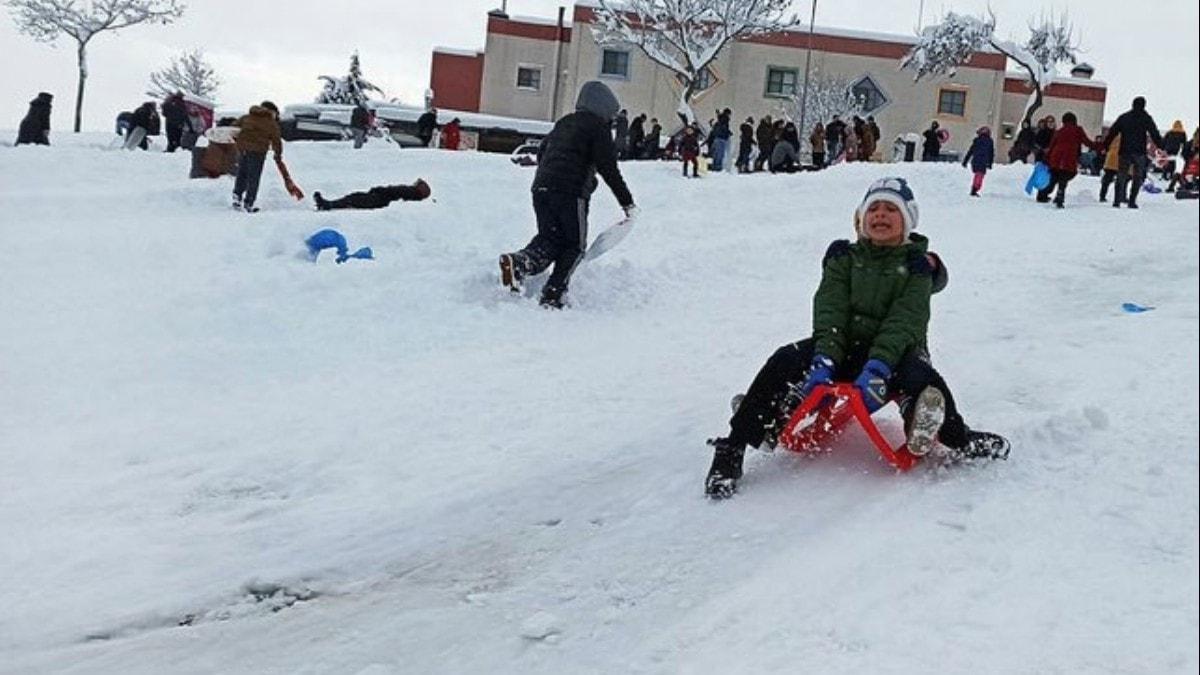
(456, 80)
(1085, 100)
(511, 45)
(741, 74)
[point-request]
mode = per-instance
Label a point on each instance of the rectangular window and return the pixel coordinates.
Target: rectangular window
(952, 102)
(781, 82)
(615, 63)
(529, 78)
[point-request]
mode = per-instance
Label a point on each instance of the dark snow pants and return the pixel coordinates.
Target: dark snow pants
(561, 239)
(768, 406)
(250, 168)
(375, 198)
(174, 137)
(1126, 162)
(1058, 179)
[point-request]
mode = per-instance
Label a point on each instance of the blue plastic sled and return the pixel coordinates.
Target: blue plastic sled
(324, 239)
(1039, 179)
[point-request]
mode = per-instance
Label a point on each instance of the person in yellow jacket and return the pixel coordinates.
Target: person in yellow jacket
(1111, 158)
(259, 131)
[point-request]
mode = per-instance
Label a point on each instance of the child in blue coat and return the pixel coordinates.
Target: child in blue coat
(981, 155)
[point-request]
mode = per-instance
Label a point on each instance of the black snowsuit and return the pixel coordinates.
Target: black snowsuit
(578, 147)
(745, 146)
(175, 114)
(637, 138)
(1134, 126)
(765, 136)
(376, 198)
(932, 149)
(146, 118)
(426, 123)
(35, 127)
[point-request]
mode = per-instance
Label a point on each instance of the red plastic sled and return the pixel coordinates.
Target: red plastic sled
(823, 415)
(293, 189)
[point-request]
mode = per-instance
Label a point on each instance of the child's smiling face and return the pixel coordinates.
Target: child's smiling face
(884, 224)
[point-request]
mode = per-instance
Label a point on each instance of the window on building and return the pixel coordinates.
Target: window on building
(529, 77)
(952, 102)
(781, 82)
(615, 63)
(1008, 130)
(869, 94)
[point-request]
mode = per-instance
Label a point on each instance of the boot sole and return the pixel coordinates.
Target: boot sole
(508, 274)
(928, 414)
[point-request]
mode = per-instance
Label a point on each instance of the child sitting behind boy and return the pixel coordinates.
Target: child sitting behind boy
(870, 317)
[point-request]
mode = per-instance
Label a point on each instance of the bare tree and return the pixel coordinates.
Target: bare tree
(828, 95)
(945, 46)
(47, 20)
(190, 73)
(686, 36)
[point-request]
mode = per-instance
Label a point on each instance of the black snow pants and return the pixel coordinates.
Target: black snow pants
(768, 406)
(1124, 164)
(560, 241)
(375, 198)
(250, 168)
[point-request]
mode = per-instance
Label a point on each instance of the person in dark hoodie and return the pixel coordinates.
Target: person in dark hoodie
(174, 112)
(578, 147)
(653, 140)
(259, 132)
(426, 125)
(1134, 126)
(637, 136)
(765, 135)
(745, 145)
(146, 119)
(35, 127)
(376, 198)
(360, 122)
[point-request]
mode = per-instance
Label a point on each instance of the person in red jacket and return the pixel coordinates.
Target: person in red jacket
(1063, 157)
(450, 135)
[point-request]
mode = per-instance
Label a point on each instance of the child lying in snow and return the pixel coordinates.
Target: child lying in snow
(375, 198)
(870, 317)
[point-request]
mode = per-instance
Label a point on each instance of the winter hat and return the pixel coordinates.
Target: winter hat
(595, 97)
(270, 106)
(422, 188)
(895, 191)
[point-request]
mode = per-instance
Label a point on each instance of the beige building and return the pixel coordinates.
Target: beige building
(532, 68)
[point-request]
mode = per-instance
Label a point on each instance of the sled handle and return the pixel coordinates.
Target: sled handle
(898, 457)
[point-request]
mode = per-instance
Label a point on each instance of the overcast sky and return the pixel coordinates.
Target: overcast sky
(272, 49)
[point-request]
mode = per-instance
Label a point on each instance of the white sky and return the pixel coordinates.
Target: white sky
(276, 50)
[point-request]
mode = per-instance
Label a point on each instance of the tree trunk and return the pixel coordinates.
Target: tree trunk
(82, 56)
(1037, 102)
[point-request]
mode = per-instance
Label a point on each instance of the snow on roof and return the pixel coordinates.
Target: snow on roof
(1062, 79)
(469, 120)
(539, 20)
(458, 52)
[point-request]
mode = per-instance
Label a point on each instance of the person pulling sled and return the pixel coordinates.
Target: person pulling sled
(578, 147)
(870, 318)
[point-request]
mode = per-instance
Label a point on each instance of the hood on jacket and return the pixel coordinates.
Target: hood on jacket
(595, 97)
(43, 98)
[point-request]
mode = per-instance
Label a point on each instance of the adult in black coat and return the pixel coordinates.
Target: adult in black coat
(175, 113)
(620, 127)
(765, 135)
(835, 135)
(932, 148)
(35, 127)
(145, 118)
(653, 140)
(426, 124)
(1022, 145)
(637, 137)
(578, 147)
(745, 145)
(1134, 126)
(360, 121)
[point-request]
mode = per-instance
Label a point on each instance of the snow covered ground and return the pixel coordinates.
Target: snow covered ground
(217, 457)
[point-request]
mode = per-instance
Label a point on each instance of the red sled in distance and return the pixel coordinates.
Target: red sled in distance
(825, 413)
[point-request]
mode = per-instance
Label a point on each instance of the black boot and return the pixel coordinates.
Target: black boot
(552, 297)
(726, 468)
(322, 205)
(982, 445)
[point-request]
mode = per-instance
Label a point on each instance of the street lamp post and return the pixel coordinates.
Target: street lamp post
(807, 66)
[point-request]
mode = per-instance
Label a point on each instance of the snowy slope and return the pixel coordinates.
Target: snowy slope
(393, 467)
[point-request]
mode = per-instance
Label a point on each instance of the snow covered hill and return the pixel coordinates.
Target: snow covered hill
(218, 457)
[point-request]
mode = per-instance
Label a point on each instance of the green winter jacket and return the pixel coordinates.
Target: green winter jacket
(873, 299)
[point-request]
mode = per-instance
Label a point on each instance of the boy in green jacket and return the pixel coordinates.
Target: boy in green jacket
(870, 317)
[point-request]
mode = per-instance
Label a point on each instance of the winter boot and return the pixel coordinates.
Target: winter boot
(726, 468)
(322, 204)
(552, 297)
(925, 420)
(510, 272)
(983, 445)
(974, 193)
(237, 201)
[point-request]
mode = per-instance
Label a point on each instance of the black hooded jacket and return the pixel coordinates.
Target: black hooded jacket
(1134, 126)
(35, 127)
(581, 145)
